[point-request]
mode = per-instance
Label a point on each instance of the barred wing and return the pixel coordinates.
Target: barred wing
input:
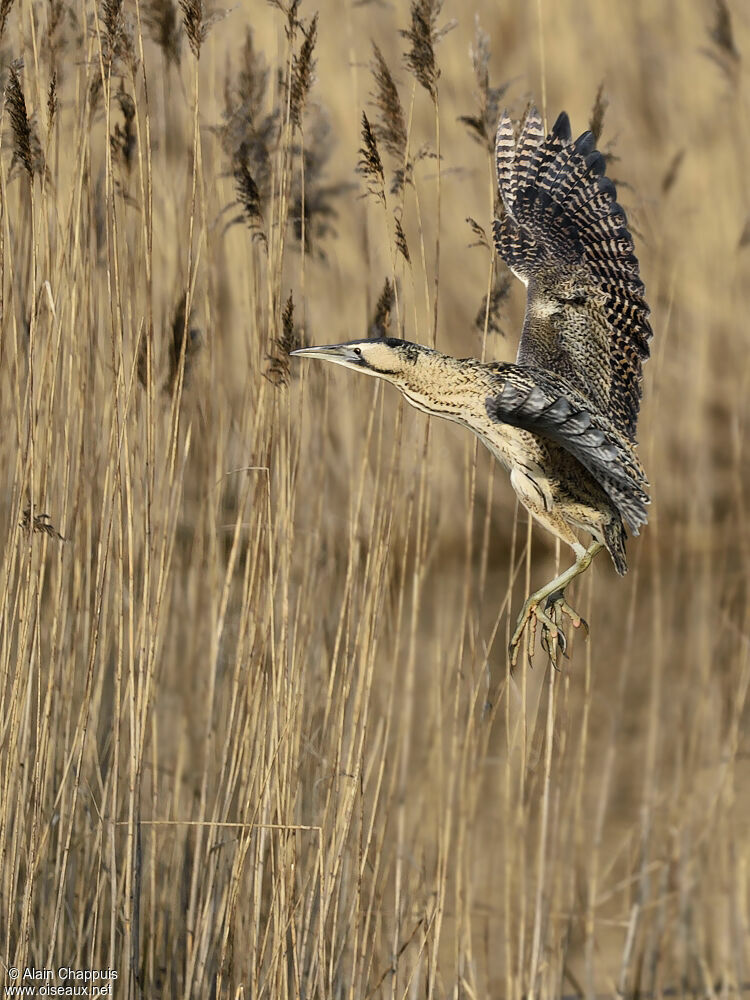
(564, 234)
(540, 401)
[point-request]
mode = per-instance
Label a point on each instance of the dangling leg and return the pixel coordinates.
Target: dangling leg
(553, 595)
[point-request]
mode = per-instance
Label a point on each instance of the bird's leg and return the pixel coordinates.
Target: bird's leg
(553, 595)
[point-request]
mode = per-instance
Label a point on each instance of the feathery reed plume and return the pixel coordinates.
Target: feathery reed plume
(112, 18)
(370, 165)
(123, 139)
(482, 125)
(192, 346)
(248, 195)
(5, 9)
(381, 320)
(391, 125)
(247, 135)
(52, 99)
(318, 202)
(390, 128)
(252, 76)
(422, 34)
(118, 35)
(723, 49)
(401, 244)
(196, 28)
(722, 33)
(596, 119)
(501, 285)
(290, 12)
(19, 120)
(53, 40)
(42, 525)
(291, 338)
(163, 26)
(480, 234)
(174, 335)
(244, 95)
(303, 70)
(251, 137)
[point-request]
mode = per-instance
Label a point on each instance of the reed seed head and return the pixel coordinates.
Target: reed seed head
(421, 35)
(303, 73)
(391, 124)
(596, 119)
(248, 194)
(291, 338)
(483, 122)
(381, 321)
(52, 100)
(502, 281)
(25, 143)
(196, 28)
(370, 166)
(5, 9)
(401, 244)
(42, 525)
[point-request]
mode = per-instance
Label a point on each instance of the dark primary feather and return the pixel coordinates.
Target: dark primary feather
(545, 404)
(564, 234)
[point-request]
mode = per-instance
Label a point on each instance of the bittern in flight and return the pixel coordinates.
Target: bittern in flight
(562, 419)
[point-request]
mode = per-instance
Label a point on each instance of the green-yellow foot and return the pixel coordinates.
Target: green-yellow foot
(555, 607)
(531, 616)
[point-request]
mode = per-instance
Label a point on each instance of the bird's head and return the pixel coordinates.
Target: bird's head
(387, 358)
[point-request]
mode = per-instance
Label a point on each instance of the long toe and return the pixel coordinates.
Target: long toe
(557, 606)
(580, 622)
(552, 636)
(524, 620)
(577, 620)
(555, 635)
(514, 645)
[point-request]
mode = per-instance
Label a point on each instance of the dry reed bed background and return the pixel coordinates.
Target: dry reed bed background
(257, 734)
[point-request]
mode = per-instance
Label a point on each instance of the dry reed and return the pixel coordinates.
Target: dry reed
(258, 736)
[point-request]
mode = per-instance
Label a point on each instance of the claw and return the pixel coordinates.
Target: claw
(532, 624)
(556, 637)
(531, 616)
(559, 605)
(553, 637)
(555, 606)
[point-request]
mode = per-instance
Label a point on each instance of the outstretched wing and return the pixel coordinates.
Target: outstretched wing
(547, 405)
(564, 234)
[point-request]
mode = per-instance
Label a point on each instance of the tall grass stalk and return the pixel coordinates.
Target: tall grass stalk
(258, 731)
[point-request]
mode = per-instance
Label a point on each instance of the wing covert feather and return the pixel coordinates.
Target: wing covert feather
(538, 401)
(564, 234)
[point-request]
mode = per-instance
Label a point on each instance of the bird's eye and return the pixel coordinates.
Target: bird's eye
(358, 351)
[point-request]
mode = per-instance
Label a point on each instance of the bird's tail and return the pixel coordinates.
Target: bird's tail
(614, 539)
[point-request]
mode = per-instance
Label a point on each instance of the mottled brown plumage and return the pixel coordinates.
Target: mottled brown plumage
(565, 236)
(562, 419)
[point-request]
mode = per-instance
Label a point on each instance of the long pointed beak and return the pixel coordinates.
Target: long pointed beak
(340, 354)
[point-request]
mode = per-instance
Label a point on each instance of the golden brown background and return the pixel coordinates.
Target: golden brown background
(257, 732)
